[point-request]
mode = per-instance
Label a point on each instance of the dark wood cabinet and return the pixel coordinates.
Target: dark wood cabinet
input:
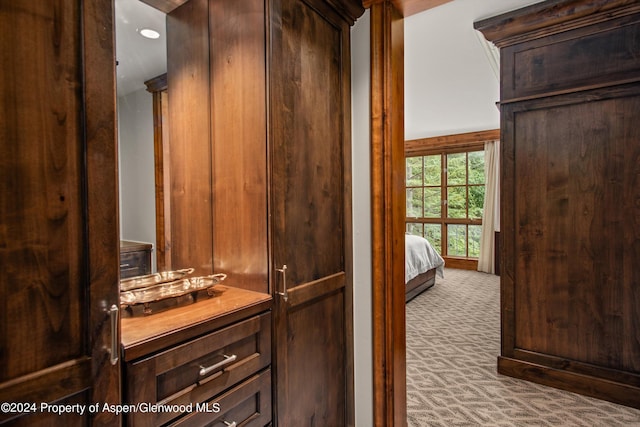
(207, 362)
(570, 104)
(262, 116)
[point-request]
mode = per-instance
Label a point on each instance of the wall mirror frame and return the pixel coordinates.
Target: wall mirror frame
(162, 173)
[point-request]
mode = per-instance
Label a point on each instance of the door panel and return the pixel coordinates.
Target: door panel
(575, 259)
(42, 277)
(309, 215)
(59, 235)
(315, 359)
(308, 166)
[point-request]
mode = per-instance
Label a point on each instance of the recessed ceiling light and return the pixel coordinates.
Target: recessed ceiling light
(149, 33)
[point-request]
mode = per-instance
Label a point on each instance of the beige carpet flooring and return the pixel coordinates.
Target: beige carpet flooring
(453, 339)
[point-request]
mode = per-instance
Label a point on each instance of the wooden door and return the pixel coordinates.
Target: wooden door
(310, 214)
(58, 222)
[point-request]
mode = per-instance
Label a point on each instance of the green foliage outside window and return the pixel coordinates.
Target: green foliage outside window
(432, 170)
(476, 201)
(457, 202)
(474, 240)
(457, 240)
(476, 167)
(463, 177)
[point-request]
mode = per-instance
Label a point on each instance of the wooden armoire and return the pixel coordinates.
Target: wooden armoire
(259, 109)
(570, 281)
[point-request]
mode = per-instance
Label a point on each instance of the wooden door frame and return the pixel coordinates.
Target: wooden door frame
(388, 214)
(102, 220)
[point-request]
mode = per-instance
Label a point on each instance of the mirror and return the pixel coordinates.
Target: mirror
(139, 60)
(218, 183)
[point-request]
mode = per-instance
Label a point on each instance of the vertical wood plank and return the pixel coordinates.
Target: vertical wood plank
(190, 152)
(310, 194)
(42, 236)
(58, 238)
(388, 215)
(570, 265)
(102, 201)
(239, 134)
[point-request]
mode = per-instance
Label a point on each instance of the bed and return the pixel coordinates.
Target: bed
(422, 264)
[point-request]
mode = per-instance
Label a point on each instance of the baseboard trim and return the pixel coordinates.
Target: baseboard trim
(587, 385)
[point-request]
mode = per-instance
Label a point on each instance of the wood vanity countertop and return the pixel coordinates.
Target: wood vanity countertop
(144, 335)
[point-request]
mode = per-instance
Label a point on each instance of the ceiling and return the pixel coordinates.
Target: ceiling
(139, 59)
(442, 33)
(451, 85)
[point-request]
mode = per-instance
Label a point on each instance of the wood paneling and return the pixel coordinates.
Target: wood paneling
(315, 380)
(608, 51)
(218, 156)
(239, 135)
(43, 236)
(58, 239)
(307, 138)
(310, 210)
(571, 251)
(189, 133)
(101, 220)
(570, 156)
(296, 165)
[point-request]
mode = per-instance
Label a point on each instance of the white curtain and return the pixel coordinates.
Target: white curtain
(491, 209)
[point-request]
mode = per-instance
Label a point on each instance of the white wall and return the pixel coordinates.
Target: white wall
(362, 283)
(450, 86)
(136, 169)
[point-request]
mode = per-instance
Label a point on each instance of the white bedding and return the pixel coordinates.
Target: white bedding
(420, 257)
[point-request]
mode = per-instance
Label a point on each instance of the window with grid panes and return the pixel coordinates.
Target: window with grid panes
(445, 196)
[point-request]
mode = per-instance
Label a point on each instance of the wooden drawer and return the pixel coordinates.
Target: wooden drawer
(135, 264)
(247, 405)
(198, 370)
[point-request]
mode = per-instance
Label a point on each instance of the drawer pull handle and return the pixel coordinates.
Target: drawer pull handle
(228, 424)
(227, 359)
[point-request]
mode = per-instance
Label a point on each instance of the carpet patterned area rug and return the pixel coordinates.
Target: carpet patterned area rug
(453, 340)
